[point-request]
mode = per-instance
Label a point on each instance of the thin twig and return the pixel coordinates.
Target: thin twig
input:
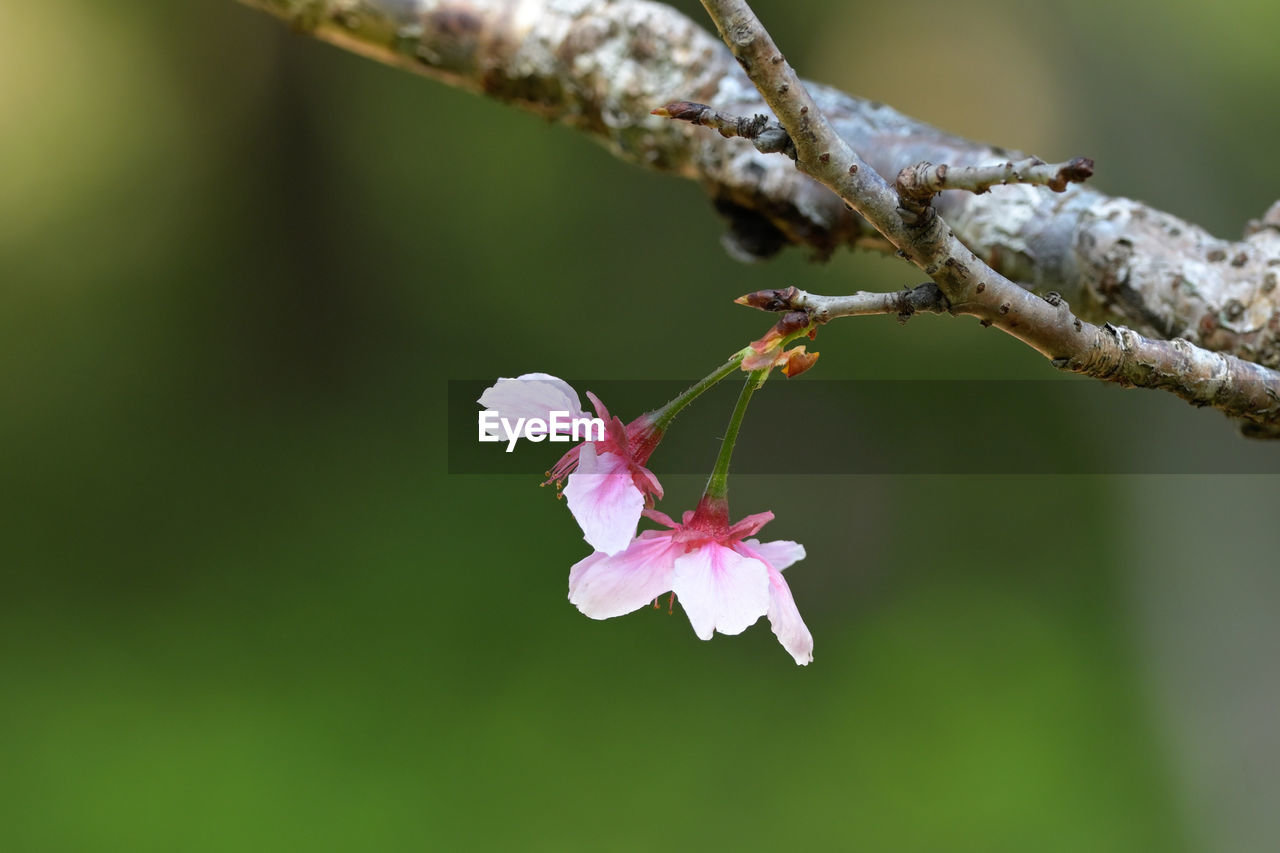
(925, 180)
(926, 298)
(767, 135)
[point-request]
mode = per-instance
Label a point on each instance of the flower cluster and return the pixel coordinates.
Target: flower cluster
(724, 580)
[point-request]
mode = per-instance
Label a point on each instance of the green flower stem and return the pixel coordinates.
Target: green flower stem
(664, 416)
(718, 485)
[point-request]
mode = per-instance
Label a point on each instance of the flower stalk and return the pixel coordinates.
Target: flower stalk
(718, 484)
(662, 417)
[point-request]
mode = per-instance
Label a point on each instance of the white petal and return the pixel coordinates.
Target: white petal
(604, 500)
(531, 395)
(604, 586)
(780, 554)
(720, 589)
(785, 619)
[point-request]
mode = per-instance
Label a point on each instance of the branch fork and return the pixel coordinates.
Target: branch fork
(903, 213)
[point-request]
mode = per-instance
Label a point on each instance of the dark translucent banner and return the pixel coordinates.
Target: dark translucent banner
(814, 426)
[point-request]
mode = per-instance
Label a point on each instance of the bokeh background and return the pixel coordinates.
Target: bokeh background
(246, 607)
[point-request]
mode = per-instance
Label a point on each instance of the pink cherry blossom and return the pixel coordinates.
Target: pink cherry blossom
(724, 581)
(608, 485)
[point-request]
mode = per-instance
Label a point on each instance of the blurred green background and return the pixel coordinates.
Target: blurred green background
(246, 608)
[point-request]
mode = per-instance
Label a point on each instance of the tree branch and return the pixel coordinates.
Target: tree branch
(1245, 390)
(603, 66)
(1239, 388)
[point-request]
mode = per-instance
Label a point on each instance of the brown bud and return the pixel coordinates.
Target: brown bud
(769, 300)
(683, 110)
(792, 322)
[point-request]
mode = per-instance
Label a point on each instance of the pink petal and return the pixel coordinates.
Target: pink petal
(780, 554)
(750, 525)
(783, 614)
(531, 395)
(660, 517)
(720, 589)
(604, 586)
(604, 500)
(601, 412)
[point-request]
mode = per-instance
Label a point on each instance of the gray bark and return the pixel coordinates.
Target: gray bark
(602, 66)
